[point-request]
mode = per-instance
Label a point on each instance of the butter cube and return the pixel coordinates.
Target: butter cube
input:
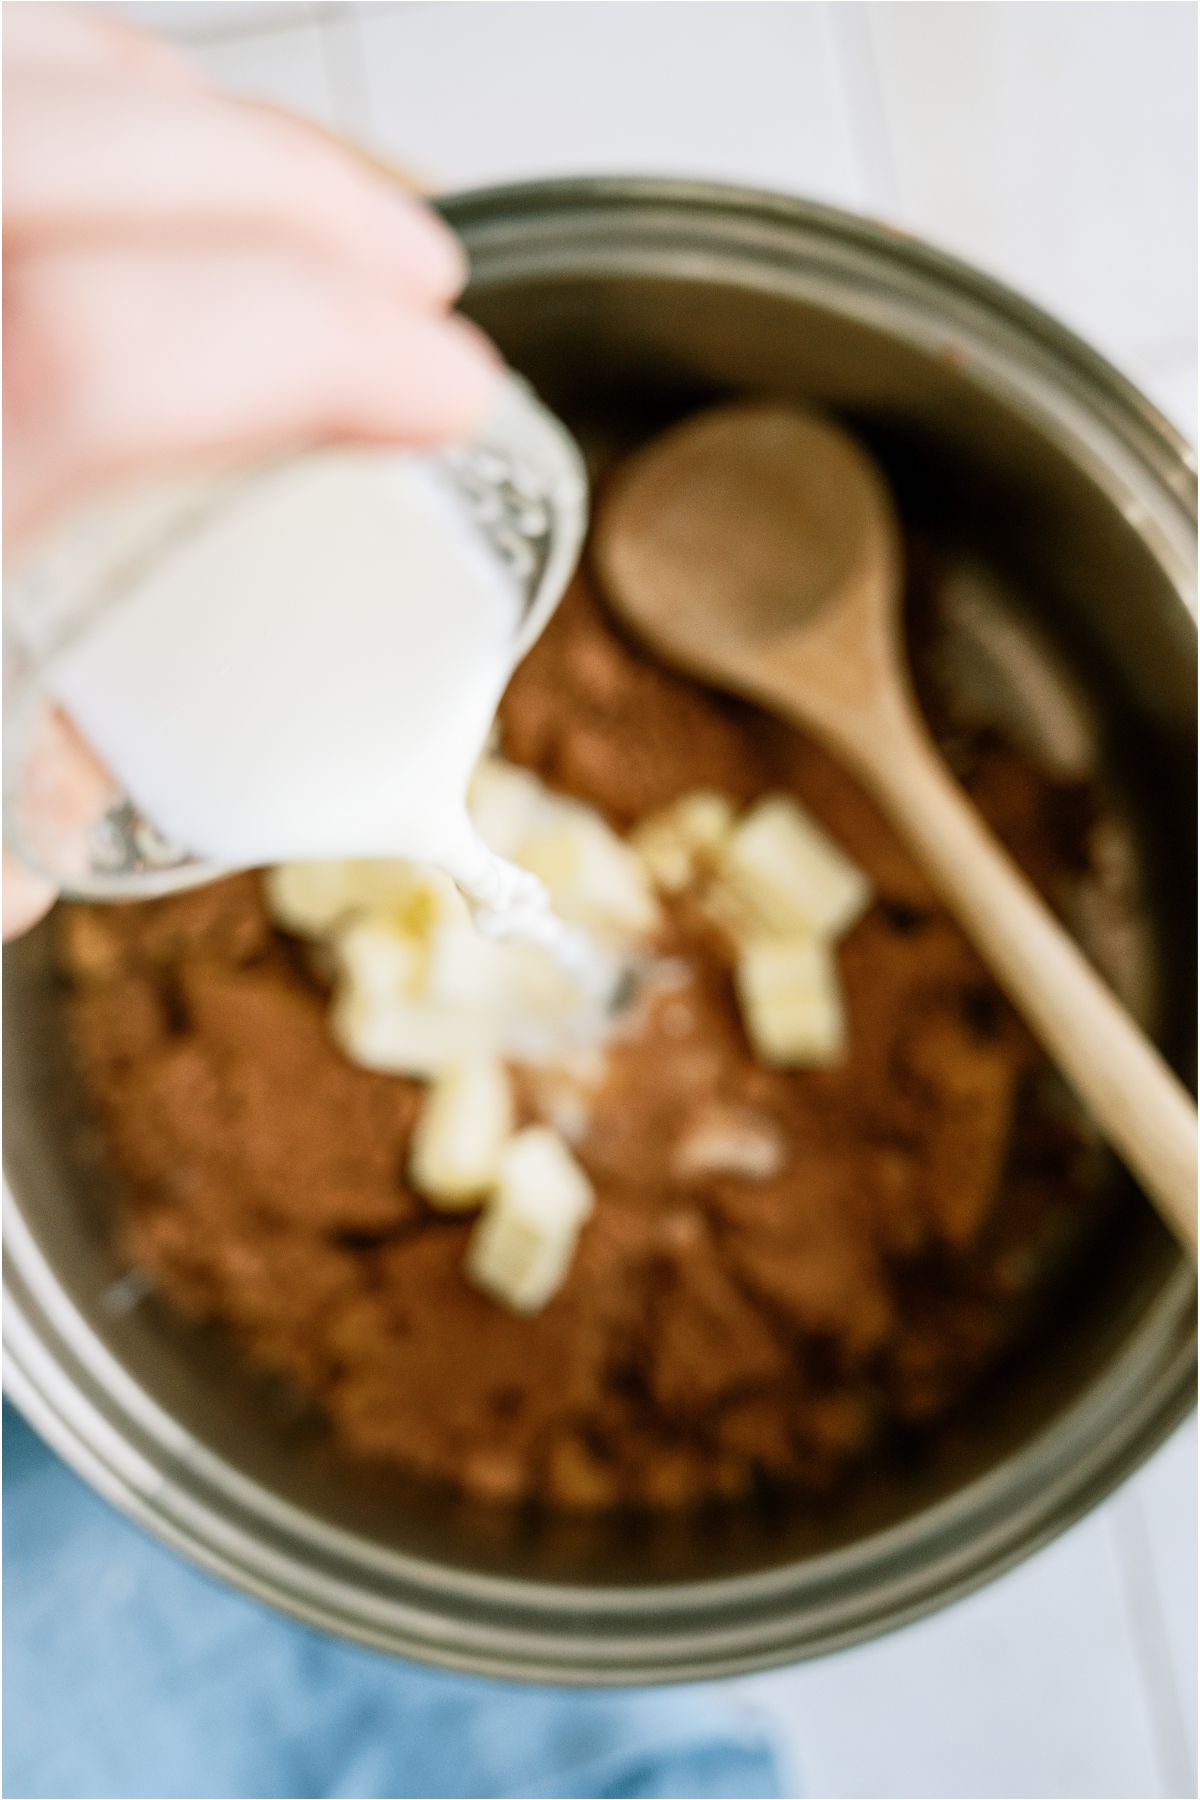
(402, 1037)
(780, 873)
(791, 1002)
(311, 899)
(506, 803)
(675, 843)
(594, 879)
(464, 1124)
(521, 1249)
(378, 961)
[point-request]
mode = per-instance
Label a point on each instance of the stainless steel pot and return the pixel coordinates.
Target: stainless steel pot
(626, 301)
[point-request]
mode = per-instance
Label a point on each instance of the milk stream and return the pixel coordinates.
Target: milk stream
(311, 673)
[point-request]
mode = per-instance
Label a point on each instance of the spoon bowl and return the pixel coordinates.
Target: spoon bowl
(682, 533)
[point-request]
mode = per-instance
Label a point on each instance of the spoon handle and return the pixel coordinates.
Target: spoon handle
(1140, 1105)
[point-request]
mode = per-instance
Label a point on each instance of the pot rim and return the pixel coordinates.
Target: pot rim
(484, 207)
(63, 1380)
(96, 1415)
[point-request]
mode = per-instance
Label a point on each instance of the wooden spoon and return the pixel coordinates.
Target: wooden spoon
(756, 547)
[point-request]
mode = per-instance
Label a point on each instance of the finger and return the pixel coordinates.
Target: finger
(87, 160)
(27, 897)
(68, 36)
(60, 790)
(116, 362)
(400, 178)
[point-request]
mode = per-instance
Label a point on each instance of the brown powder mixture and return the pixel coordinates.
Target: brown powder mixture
(715, 1333)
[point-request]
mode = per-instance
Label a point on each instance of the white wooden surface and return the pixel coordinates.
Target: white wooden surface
(1055, 145)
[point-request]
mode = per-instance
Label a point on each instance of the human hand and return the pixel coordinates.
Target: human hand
(188, 276)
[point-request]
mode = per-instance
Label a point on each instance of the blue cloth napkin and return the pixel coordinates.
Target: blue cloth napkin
(128, 1673)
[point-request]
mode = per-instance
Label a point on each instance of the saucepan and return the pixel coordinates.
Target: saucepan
(626, 303)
